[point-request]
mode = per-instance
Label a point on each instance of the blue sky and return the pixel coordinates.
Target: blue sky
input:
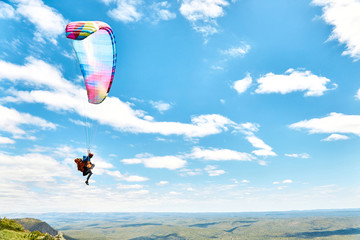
(215, 106)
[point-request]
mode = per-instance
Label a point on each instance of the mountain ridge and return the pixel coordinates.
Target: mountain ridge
(29, 228)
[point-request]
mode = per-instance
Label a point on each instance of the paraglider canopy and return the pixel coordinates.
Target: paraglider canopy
(94, 44)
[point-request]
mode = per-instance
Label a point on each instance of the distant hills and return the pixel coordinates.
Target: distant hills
(343, 224)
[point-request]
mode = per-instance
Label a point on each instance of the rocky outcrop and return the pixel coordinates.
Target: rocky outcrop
(32, 224)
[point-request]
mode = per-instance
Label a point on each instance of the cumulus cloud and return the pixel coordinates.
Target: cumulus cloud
(160, 106)
(335, 137)
(123, 177)
(287, 181)
(190, 172)
(28, 181)
(7, 11)
(219, 154)
(37, 74)
(195, 10)
(203, 14)
(343, 15)
(11, 121)
(149, 161)
(242, 85)
(49, 23)
(264, 149)
(238, 51)
(162, 183)
(125, 11)
(213, 171)
(32, 167)
(292, 81)
(128, 11)
(126, 187)
(357, 94)
(79, 122)
(298, 155)
(160, 11)
(6, 140)
(333, 123)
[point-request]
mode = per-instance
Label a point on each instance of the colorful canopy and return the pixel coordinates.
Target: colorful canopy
(96, 52)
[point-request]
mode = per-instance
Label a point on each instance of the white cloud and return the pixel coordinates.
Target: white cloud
(37, 73)
(264, 149)
(257, 142)
(134, 178)
(48, 22)
(262, 162)
(249, 127)
(125, 11)
(160, 106)
(333, 123)
(128, 11)
(238, 51)
(139, 192)
(293, 80)
(69, 55)
(6, 140)
(286, 181)
(160, 11)
(343, 15)
(169, 162)
(174, 193)
(357, 94)
(298, 155)
(11, 120)
(162, 183)
(190, 172)
(219, 154)
(242, 85)
(245, 181)
(216, 67)
(125, 177)
(203, 14)
(33, 167)
(335, 137)
(213, 172)
(7, 11)
(195, 10)
(125, 187)
(79, 122)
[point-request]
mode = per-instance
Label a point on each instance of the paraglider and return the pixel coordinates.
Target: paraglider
(95, 48)
(94, 44)
(85, 166)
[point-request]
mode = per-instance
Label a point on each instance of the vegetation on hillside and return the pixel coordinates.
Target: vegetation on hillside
(11, 230)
